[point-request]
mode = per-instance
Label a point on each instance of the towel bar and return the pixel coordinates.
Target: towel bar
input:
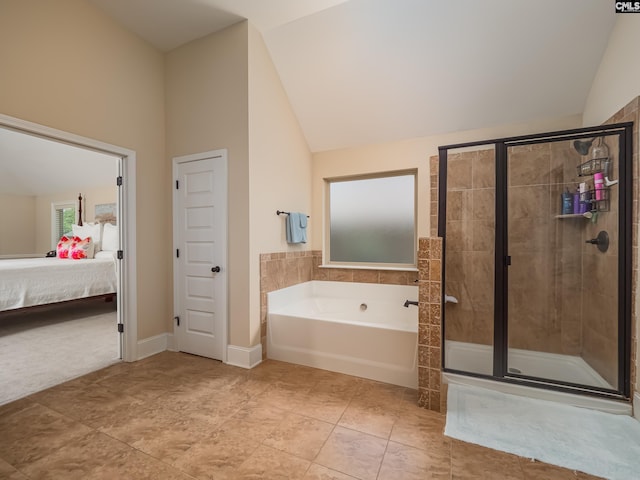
(280, 212)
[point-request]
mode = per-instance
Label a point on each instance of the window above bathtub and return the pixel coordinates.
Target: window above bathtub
(370, 220)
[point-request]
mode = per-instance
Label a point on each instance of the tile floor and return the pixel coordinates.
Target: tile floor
(178, 416)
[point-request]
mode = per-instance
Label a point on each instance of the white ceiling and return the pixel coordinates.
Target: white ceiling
(368, 71)
(31, 165)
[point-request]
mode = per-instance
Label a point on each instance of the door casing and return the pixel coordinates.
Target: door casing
(127, 282)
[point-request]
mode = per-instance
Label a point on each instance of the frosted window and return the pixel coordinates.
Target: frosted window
(372, 220)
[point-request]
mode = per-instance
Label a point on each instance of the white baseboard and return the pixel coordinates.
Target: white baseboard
(152, 345)
(171, 342)
(636, 405)
(244, 357)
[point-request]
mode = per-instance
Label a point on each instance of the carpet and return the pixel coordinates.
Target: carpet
(590, 441)
(48, 345)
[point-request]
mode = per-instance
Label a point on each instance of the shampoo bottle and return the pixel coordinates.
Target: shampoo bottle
(598, 181)
(576, 201)
(584, 198)
(567, 203)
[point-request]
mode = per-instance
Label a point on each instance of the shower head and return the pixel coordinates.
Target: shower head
(582, 146)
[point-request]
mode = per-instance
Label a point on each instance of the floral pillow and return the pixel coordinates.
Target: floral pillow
(81, 248)
(93, 230)
(64, 245)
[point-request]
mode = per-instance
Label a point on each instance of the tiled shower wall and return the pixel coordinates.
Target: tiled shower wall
(546, 269)
(600, 287)
(542, 298)
(470, 245)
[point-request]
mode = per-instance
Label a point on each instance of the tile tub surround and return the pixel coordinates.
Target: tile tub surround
(179, 416)
(281, 270)
(429, 324)
(285, 269)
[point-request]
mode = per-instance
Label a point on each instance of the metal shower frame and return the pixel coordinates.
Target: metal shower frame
(502, 259)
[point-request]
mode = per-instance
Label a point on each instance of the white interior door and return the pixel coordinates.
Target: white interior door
(200, 234)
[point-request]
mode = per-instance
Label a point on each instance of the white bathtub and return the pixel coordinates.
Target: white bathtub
(359, 329)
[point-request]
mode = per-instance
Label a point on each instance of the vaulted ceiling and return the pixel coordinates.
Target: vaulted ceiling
(367, 71)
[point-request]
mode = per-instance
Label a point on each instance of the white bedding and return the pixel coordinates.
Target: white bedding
(26, 282)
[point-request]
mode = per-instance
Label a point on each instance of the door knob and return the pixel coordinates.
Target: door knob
(215, 269)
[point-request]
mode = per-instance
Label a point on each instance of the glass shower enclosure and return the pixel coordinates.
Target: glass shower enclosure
(537, 259)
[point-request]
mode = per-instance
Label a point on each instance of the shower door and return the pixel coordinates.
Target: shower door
(562, 275)
(537, 259)
(469, 261)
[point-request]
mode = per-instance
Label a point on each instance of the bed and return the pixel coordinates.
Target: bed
(27, 282)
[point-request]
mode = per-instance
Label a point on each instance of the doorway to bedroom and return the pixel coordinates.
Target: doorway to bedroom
(61, 231)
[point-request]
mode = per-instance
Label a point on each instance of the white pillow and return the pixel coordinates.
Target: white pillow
(93, 230)
(105, 255)
(110, 237)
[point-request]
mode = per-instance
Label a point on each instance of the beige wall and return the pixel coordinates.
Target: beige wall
(279, 168)
(207, 109)
(223, 92)
(43, 210)
(67, 65)
(411, 153)
(617, 80)
(18, 220)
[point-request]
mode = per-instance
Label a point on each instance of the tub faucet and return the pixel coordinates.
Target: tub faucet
(409, 302)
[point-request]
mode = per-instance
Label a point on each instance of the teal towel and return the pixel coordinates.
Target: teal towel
(296, 228)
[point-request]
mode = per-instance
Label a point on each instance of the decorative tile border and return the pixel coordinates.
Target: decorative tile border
(430, 324)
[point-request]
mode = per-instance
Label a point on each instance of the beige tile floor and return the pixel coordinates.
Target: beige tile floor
(177, 416)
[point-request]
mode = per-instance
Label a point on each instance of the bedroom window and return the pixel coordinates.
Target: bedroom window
(63, 216)
(371, 221)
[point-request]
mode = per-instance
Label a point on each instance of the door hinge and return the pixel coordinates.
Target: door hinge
(177, 253)
(177, 319)
(119, 181)
(507, 260)
(121, 328)
(120, 254)
(177, 184)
